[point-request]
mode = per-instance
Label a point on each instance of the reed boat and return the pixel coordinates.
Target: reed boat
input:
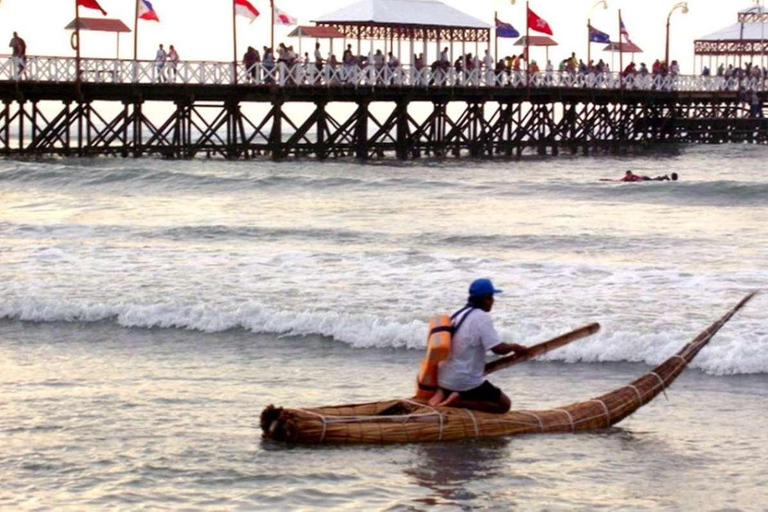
(412, 420)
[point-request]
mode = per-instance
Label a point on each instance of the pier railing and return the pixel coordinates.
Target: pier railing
(113, 71)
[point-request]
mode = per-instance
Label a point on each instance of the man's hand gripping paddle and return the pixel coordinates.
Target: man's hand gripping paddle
(541, 348)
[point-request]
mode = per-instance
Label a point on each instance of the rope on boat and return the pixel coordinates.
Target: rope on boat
(435, 411)
(663, 384)
(605, 409)
(355, 419)
(680, 367)
(474, 422)
(352, 419)
(413, 414)
(637, 392)
(526, 413)
(710, 331)
(570, 419)
(510, 422)
(323, 418)
(589, 418)
(695, 346)
(405, 417)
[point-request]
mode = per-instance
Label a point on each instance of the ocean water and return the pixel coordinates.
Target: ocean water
(149, 310)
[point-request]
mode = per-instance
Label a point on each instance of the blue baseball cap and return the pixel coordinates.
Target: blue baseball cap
(481, 287)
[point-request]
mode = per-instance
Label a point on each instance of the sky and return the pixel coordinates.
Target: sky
(202, 29)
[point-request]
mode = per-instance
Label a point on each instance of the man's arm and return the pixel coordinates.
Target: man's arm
(505, 348)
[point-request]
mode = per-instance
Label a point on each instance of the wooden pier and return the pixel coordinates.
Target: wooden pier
(116, 109)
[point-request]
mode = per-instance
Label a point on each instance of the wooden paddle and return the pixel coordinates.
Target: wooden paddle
(542, 348)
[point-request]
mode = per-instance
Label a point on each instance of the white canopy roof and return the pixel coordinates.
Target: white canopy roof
(403, 12)
(755, 9)
(752, 32)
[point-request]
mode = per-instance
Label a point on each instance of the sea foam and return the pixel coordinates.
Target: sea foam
(741, 348)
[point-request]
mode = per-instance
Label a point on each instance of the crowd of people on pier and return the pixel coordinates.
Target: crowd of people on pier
(730, 71)
(658, 68)
(749, 97)
(466, 69)
(286, 66)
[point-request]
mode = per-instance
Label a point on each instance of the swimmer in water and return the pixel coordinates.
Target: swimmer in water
(631, 177)
(666, 177)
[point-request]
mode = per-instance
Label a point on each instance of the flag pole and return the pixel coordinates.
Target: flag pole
(272, 28)
(77, 48)
(234, 43)
(527, 42)
(589, 41)
(136, 33)
(621, 54)
(496, 35)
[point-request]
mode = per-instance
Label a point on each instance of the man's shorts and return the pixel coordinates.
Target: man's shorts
(485, 392)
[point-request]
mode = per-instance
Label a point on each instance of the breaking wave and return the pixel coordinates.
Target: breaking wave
(741, 348)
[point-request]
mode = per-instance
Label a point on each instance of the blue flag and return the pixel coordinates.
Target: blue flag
(505, 29)
(596, 36)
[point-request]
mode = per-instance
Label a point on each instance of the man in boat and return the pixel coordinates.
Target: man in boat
(460, 377)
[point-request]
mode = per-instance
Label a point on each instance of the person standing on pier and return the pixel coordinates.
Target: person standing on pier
(306, 65)
(282, 54)
(572, 64)
(249, 62)
(488, 65)
(445, 61)
(393, 62)
(19, 51)
(318, 58)
(756, 106)
(160, 59)
(269, 65)
(173, 58)
(347, 58)
(257, 65)
(550, 73)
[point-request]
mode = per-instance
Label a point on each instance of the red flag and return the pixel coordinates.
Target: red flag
(91, 4)
(147, 12)
(537, 23)
(245, 9)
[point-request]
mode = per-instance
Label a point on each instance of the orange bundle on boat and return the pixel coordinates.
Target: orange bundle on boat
(438, 350)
